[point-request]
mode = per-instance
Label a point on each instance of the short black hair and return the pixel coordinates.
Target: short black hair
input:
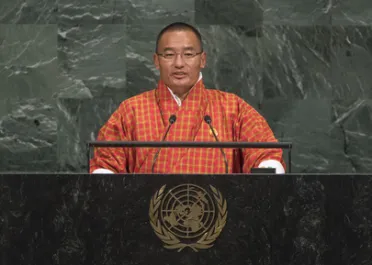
(179, 26)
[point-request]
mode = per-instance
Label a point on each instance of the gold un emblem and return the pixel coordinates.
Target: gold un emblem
(188, 216)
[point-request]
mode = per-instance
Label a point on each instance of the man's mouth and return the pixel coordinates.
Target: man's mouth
(179, 74)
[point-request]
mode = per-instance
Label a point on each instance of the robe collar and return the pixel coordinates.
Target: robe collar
(196, 98)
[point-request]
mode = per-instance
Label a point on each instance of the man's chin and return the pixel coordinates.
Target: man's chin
(184, 82)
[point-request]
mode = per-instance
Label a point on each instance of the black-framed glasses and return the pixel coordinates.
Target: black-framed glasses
(171, 55)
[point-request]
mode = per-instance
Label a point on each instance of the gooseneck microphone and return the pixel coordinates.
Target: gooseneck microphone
(208, 120)
(172, 120)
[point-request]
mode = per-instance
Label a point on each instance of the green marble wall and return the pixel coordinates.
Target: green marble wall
(305, 65)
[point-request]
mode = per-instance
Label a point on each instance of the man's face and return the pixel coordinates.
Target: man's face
(179, 71)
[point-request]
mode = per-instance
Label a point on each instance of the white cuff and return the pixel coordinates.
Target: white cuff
(102, 171)
(279, 169)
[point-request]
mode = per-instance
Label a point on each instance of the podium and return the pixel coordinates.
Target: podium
(185, 219)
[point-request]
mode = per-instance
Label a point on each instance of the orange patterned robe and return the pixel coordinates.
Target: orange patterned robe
(145, 118)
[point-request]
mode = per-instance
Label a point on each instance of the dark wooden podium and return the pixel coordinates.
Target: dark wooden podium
(185, 219)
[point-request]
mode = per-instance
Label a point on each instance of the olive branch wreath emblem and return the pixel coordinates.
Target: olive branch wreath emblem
(173, 242)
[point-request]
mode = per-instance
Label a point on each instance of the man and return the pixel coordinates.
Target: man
(179, 56)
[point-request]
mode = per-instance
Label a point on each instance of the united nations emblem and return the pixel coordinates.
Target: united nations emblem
(188, 216)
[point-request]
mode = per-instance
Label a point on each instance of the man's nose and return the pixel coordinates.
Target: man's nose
(179, 61)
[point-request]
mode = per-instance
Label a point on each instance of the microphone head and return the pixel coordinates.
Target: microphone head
(207, 119)
(172, 119)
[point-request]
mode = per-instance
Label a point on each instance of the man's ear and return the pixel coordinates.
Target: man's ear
(156, 60)
(203, 60)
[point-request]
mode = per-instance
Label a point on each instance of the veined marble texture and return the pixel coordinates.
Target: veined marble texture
(305, 65)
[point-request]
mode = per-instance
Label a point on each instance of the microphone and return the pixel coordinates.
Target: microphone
(172, 120)
(208, 120)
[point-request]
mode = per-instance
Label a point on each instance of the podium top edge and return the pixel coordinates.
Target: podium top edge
(181, 175)
(165, 144)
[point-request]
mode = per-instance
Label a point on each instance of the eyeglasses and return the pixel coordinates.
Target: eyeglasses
(172, 55)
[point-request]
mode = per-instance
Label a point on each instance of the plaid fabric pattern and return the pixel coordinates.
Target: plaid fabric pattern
(145, 118)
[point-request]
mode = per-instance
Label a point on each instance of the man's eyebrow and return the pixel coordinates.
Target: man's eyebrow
(167, 49)
(188, 48)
